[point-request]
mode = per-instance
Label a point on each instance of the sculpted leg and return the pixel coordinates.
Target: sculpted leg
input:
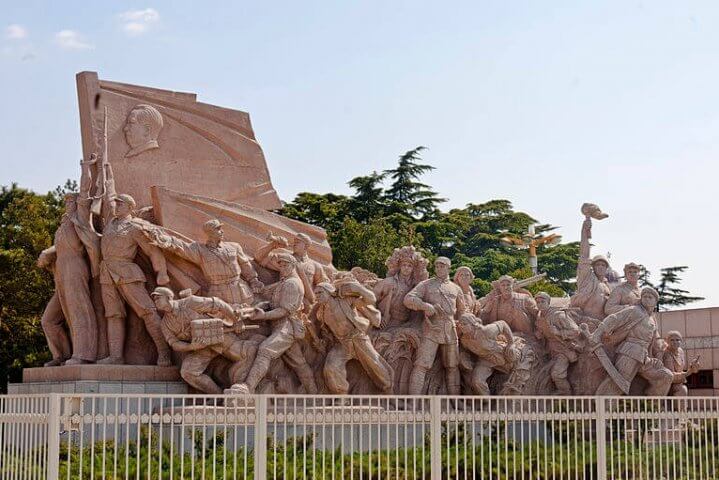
(52, 322)
(425, 358)
(141, 303)
(480, 374)
(627, 367)
(115, 314)
(193, 371)
(658, 377)
(559, 374)
(271, 348)
(73, 292)
(297, 361)
(335, 370)
(450, 360)
(376, 367)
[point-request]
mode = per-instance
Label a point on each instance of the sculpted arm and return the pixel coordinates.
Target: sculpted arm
(505, 330)
(176, 344)
(262, 255)
(614, 302)
(461, 306)
(159, 265)
(414, 299)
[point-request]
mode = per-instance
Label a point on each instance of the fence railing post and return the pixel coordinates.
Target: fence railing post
(260, 437)
(435, 436)
(601, 430)
(53, 437)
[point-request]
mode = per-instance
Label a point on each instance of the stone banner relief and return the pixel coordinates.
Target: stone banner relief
(169, 258)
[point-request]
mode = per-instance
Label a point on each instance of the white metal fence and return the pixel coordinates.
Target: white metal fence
(100, 436)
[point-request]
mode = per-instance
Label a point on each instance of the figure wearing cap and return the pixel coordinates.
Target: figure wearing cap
(561, 333)
(122, 280)
(627, 293)
(228, 271)
(310, 271)
(442, 302)
(177, 329)
(347, 312)
(592, 285)
(635, 333)
(516, 308)
(286, 297)
(675, 360)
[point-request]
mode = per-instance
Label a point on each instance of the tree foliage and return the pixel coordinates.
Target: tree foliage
(670, 295)
(27, 224)
(396, 208)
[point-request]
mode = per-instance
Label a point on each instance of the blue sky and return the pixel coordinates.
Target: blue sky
(547, 104)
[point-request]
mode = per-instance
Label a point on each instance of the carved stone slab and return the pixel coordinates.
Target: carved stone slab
(198, 148)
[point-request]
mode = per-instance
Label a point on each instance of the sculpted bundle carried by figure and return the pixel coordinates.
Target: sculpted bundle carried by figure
(183, 323)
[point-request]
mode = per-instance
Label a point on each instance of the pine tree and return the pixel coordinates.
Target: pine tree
(368, 200)
(407, 195)
(669, 294)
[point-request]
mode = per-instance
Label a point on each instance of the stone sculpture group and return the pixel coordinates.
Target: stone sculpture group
(273, 316)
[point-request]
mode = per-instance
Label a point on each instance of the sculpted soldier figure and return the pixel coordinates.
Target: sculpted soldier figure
(496, 348)
(122, 279)
(310, 271)
(592, 285)
(177, 328)
(562, 335)
(74, 258)
(406, 267)
(442, 303)
(517, 309)
(626, 293)
(463, 277)
(228, 271)
(635, 332)
(287, 329)
(348, 311)
(674, 359)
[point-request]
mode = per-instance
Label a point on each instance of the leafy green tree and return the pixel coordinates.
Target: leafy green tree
(27, 224)
(368, 245)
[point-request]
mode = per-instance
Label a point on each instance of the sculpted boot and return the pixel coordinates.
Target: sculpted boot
(416, 380)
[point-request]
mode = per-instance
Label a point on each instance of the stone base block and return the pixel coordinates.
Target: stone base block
(102, 373)
(92, 386)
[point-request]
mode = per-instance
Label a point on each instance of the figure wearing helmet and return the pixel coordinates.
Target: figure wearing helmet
(228, 271)
(177, 329)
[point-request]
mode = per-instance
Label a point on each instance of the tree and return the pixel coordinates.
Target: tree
(407, 195)
(27, 224)
(368, 200)
(669, 294)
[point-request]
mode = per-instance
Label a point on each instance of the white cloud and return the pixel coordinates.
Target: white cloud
(15, 32)
(138, 22)
(71, 40)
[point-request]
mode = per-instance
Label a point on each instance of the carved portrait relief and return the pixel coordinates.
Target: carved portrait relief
(141, 129)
